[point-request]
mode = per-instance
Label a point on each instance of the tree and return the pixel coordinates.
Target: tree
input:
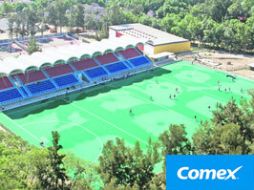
(226, 139)
(175, 141)
(84, 174)
(203, 140)
(250, 32)
(231, 113)
(230, 140)
(121, 165)
(217, 9)
(54, 177)
(32, 46)
(231, 130)
(115, 13)
(241, 8)
(52, 17)
(18, 163)
(170, 6)
(41, 7)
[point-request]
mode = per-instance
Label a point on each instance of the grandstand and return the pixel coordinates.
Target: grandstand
(62, 70)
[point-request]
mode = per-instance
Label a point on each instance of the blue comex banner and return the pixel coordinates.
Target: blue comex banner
(210, 172)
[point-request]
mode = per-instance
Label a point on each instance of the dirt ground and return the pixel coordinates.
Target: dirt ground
(234, 63)
(59, 42)
(56, 42)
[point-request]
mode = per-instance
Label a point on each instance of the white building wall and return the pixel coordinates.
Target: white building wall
(112, 33)
(148, 49)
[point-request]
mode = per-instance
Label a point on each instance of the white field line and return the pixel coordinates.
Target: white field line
(111, 124)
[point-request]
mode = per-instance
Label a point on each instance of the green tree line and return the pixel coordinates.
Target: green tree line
(227, 24)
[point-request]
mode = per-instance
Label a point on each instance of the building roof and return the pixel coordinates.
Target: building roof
(152, 35)
(55, 54)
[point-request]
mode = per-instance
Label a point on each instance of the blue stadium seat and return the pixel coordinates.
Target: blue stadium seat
(139, 61)
(116, 67)
(9, 95)
(66, 80)
(96, 72)
(40, 87)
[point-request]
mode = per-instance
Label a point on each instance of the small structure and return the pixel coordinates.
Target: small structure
(251, 66)
(165, 56)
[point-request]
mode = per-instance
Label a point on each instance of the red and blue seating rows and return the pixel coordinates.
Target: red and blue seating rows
(106, 59)
(48, 79)
(130, 53)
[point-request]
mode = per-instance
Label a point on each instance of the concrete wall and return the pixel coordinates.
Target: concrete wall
(148, 49)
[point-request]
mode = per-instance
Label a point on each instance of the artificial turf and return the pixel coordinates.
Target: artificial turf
(133, 109)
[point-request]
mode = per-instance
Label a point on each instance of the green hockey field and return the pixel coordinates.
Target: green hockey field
(134, 109)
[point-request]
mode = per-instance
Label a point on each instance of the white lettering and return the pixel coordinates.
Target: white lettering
(185, 173)
(180, 171)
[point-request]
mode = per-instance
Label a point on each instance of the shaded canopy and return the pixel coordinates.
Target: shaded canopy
(53, 55)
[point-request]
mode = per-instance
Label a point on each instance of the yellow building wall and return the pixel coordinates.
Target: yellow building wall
(177, 47)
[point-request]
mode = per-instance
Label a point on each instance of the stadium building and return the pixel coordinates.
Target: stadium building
(155, 41)
(62, 70)
(58, 71)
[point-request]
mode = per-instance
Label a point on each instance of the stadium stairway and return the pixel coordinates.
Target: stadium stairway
(19, 84)
(78, 72)
(113, 68)
(20, 88)
(98, 63)
(89, 78)
(122, 59)
(23, 92)
(49, 78)
(83, 78)
(129, 65)
(72, 67)
(133, 58)
(63, 79)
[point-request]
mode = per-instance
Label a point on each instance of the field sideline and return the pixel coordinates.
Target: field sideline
(134, 109)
